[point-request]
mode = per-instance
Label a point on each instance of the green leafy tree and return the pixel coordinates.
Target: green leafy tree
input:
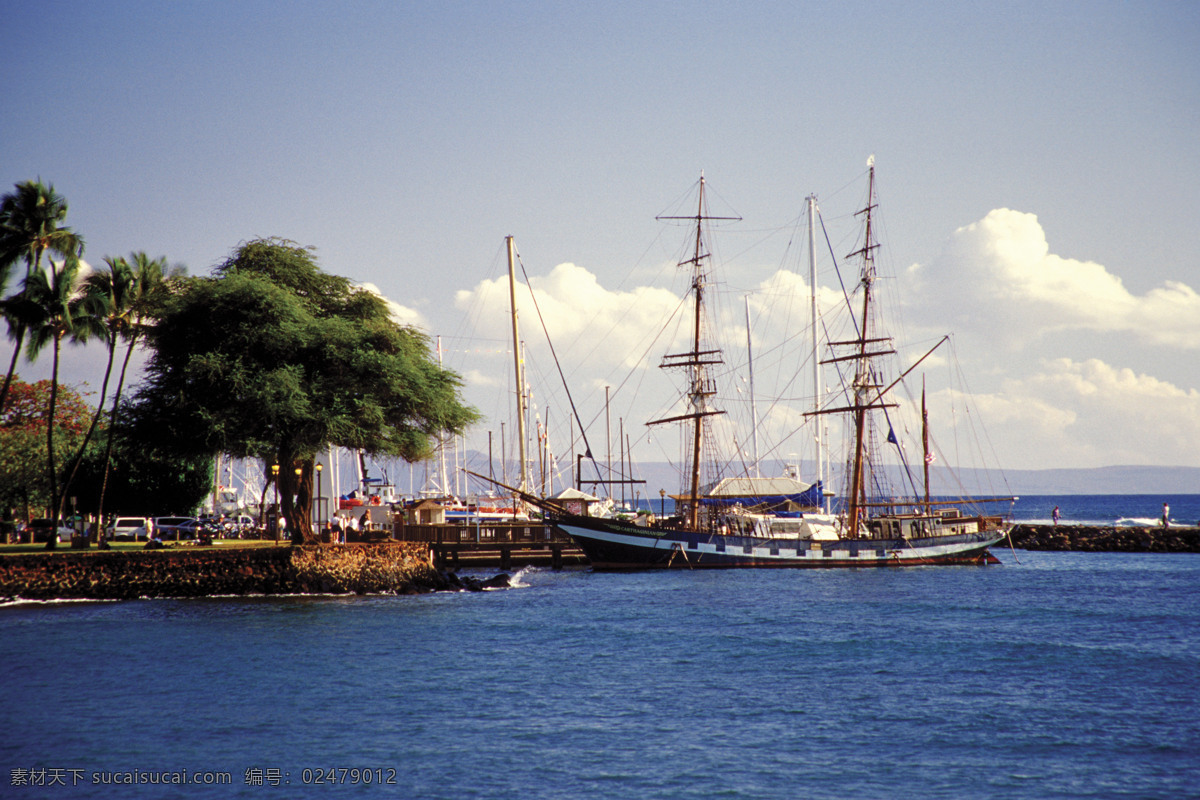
(275, 359)
(31, 220)
(141, 476)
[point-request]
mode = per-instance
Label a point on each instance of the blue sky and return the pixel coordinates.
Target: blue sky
(1037, 164)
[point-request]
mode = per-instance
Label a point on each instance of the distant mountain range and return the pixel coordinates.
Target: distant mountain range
(1106, 480)
(1099, 480)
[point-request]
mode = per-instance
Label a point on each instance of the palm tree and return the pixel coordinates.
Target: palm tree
(30, 224)
(108, 297)
(63, 314)
(143, 297)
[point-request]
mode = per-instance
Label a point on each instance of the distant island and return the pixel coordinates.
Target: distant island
(1100, 480)
(1106, 480)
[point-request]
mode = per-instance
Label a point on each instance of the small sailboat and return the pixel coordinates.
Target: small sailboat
(714, 528)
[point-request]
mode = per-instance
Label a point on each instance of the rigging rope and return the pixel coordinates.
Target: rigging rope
(557, 365)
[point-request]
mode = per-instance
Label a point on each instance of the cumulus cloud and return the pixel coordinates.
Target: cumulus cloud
(999, 273)
(1068, 413)
(402, 315)
(604, 335)
(1059, 409)
(591, 324)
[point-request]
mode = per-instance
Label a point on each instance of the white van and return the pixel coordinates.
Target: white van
(128, 529)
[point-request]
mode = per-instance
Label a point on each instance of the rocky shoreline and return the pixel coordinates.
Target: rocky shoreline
(389, 568)
(1095, 538)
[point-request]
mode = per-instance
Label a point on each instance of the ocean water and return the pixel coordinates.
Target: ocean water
(1054, 675)
(1108, 509)
(1078, 509)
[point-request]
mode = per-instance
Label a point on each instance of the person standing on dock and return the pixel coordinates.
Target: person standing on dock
(1166, 517)
(1055, 515)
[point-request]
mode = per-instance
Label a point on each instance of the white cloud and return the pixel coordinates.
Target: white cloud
(481, 378)
(1049, 335)
(1071, 413)
(587, 323)
(1058, 408)
(999, 274)
(402, 315)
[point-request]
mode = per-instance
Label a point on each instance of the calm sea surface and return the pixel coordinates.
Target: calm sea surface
(1055, 675)
(1079, 509)
(1107, 509)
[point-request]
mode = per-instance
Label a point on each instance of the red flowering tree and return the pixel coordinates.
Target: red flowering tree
(24, 483)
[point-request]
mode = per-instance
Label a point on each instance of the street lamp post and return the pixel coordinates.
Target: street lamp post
(297, 508)
(319, 512)
(275, 518)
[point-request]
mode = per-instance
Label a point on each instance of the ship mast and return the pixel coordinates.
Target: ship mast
(866, 394)
(523, 482)
(750, 372)
(863, 372)
(812, 283)
(928, 458)
(700, 385)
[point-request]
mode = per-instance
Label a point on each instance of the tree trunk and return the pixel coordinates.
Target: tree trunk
(112, 351)
(12, 367)
(112, 425)
(55, 503)
(291, 506)
(303, 532)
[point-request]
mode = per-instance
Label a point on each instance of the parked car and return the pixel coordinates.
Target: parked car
(176, 527)
(128, 529)
(43, 529)
(238, 526)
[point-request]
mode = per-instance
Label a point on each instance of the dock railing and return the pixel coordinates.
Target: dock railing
(480, 533)
(502, 544)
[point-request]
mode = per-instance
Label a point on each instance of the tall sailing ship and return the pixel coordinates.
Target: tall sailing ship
(710, 530)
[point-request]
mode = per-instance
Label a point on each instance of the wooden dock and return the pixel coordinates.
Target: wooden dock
(507, 545)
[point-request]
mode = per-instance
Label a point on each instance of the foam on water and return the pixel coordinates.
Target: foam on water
(1128, 510)
(1137, 522)
(517, 579)
(21, 601)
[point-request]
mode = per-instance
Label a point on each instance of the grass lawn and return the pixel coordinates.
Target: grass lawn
(65, 547)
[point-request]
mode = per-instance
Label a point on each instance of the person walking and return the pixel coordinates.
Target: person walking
(1055, 515)
(1166, 517)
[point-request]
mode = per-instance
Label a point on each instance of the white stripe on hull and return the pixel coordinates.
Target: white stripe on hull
(658, 551)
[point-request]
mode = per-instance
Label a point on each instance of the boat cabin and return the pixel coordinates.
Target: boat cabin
(575, 501)
(425, 512)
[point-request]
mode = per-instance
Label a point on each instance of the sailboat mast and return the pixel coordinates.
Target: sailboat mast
(697, 390)
(812, 283)
(753, 407)
(862, 378)
(523, 481)
(607, 442)
(699, 386)
(925, 444)
(442, 482)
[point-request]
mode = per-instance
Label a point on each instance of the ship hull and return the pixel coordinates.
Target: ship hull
(615, 545)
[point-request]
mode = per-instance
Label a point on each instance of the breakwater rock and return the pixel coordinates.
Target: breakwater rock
(391, 568)
(1098, 538)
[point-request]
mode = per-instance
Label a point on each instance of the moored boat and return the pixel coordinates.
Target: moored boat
(718, 528)
(615, 545)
